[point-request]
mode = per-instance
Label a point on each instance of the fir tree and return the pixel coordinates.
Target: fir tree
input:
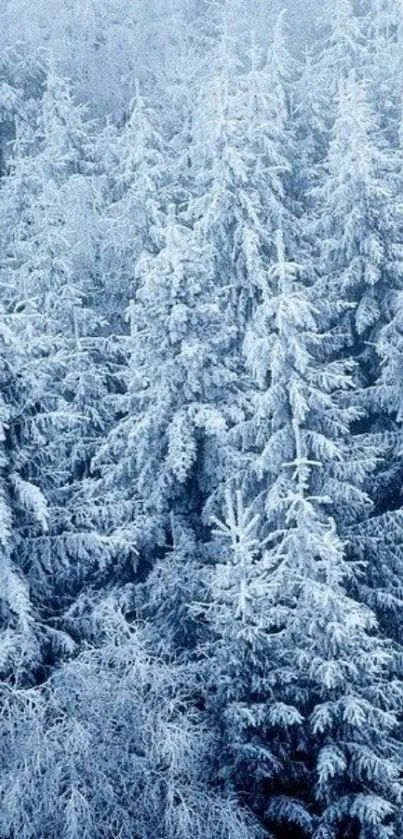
(178, 384)
(383, 31)
(135, 168)
(358, 222)
(340, 46)
(305, 689)
(64, 372)
(244, 152)
(20, 649)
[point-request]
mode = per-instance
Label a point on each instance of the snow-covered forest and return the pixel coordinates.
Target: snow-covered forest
(201, 419)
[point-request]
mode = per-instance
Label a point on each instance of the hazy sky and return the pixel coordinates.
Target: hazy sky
(301, 14)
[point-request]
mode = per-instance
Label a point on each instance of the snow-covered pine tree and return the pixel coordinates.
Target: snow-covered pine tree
(340, 45)
(358, 233)
(135, 164)
(336, 53)
(245, 150)
(383, 26)
(303, 683)
(378, 540)
(66, 365)
(20, 653)
(181, 393)
(357, 222)
(243, 143)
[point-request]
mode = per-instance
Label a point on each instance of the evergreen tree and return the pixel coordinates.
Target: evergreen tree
(244, 150)
(361, 265)
(65, 371)
(341, 50)
(383, 36)
(20, 653)
(179, 383)
(377, 541)
(304, 683)
(247, 155)
(135, 171)
(358, 222)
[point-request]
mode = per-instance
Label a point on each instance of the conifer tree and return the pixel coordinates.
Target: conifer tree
(244, 151)
(247, 154)
(383, 37)
(358, 221)
(178, 384)
(340, 44)
(20, 652)
(135, 171)
(65, 370)
(360, 260)
(304, 683)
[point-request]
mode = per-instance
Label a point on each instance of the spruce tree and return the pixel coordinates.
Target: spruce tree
(135, 169)
(305, 686)
(358, 222)
(243, 149)
(177, 402)
(383, 23)
(66, 365)
(361, 265)
(340, 44)
(20, 648)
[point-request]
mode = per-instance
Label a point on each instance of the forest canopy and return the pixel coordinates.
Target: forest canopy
(201, 408)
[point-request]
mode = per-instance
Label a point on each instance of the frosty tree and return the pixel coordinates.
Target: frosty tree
(200, 420)
(305, 687)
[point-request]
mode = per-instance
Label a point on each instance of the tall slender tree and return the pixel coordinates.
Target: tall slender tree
(65, 366)
(305, 689)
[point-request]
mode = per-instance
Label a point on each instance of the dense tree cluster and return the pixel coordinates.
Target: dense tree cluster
(201, 422)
